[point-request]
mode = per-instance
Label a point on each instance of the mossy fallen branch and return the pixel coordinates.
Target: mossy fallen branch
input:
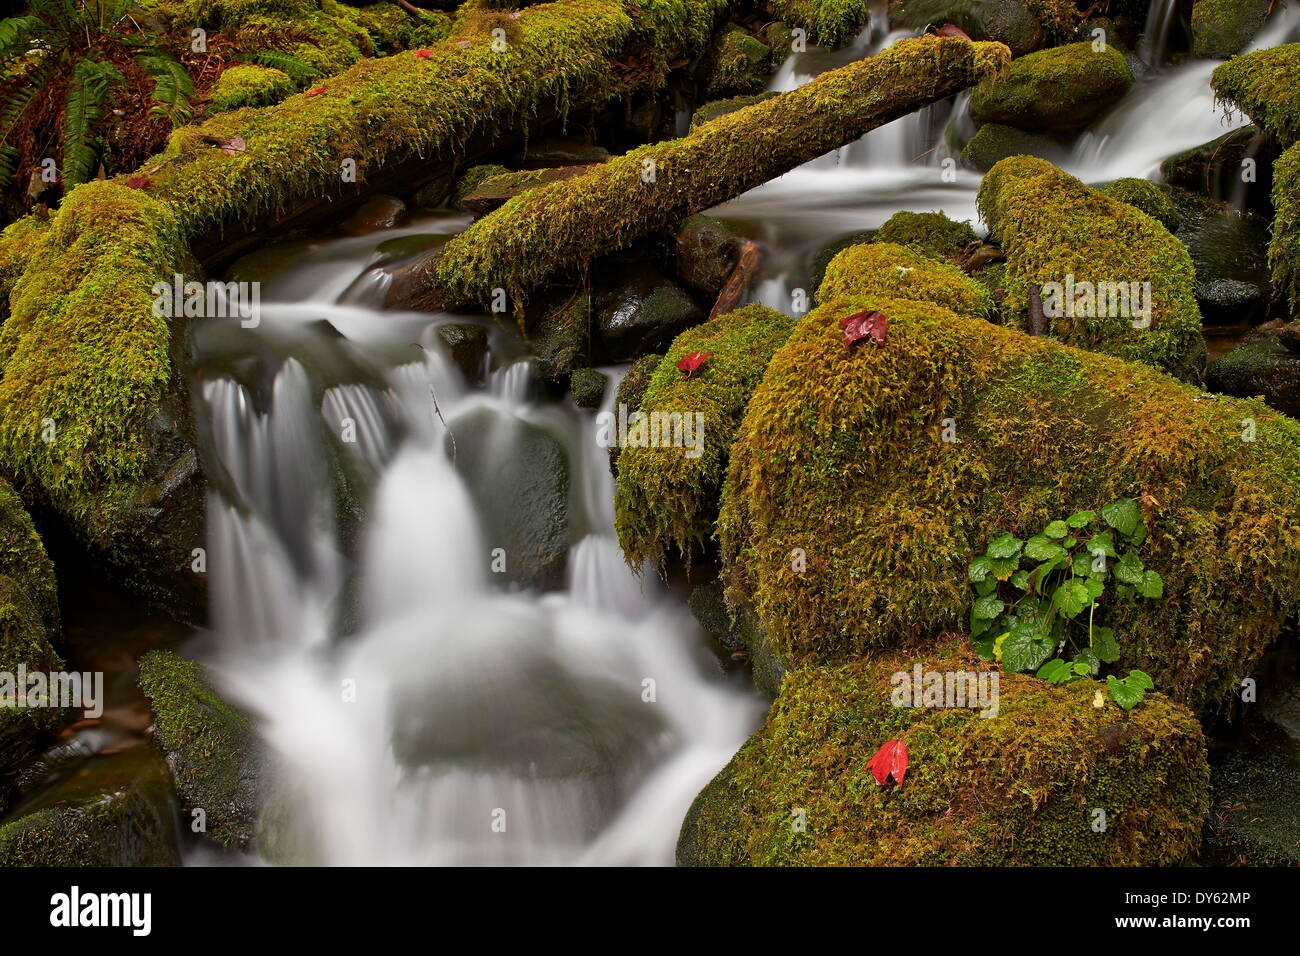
(1056, 230)
(884, 470)
(560, 228)
(1017, 789)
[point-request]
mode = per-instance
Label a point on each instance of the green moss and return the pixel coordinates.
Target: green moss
(211, 747)
(1284, 247)
(1052, 226)
(842, 454)
(476, 176)
(712, 110)
(1223, 28)
(830, 23)
(666, 498)
(739, 62)
(630, 391)
(249, 85)
(1017, 789)
(1265, 85)
(1062, 88)
(931, 233)
(560, 228)
(883, 268)
(588, 386)
(1146, 196)
(994, 142)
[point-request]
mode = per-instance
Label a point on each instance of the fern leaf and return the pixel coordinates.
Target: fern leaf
(173, 88)
(91, 80)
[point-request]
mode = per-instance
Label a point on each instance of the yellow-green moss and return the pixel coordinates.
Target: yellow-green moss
(1146, 196)
(739, 63)
(1061, 88)
(841, 461)
(883, 268)
(1265, 85)
(932, 233)
(246, 84)
(830, 23)
(1284, 248)
(1052, 226)
(1018, 789)
(666, 499)
(1222, 28)
(560, 228)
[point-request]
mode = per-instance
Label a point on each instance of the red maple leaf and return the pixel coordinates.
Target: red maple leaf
(691, 363)
(424, 54)
(949, 30)
(890, 761)
(316, 92)
(139, 182)
(862, 325)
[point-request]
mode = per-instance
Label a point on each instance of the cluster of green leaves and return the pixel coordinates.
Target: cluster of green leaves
(80, 42)
(1031, 597)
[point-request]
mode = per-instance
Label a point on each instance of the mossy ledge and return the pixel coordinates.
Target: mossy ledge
(560, 228)
(841, 454)
(1051, 226)
(665, 498)
(81, 351)
(1265, 85)
(1017, 789)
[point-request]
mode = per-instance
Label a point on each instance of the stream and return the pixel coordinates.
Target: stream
(422, 711)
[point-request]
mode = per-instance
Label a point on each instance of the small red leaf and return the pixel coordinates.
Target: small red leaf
(424, 54)
(691, 363)
(316, 92)
(899, 768)
(139, 182)
(882, 764)
(863, 325)
(949, 30)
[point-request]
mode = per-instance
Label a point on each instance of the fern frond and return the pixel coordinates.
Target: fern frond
(297, 69)
(91, 81)
(16, 34)
(173, 88)
(8, 165)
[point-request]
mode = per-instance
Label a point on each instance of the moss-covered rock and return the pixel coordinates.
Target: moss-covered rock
(706, 254)
(641, 311)
(1023, 25)
(588, 387)
(1284, 247)
(212, 749)
(1020, 788)
(842, 459)
(113, 810)
(715, 108)
(1062, 88)
(1223, 28)
(1265, 85)
(493, 192)
(667, 496)
(831, 23)
(739, 63)
(994, 142)
(1052, 226)
(931, 233)
(1146, 196)
(628, 397)
(1254, 818)
(467, 345)
(246, 84)
(1263, 368)
(883, 268)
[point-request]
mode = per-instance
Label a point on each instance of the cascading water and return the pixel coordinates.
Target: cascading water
(418, 712)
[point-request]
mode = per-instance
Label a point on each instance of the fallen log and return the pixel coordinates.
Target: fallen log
(560, 228)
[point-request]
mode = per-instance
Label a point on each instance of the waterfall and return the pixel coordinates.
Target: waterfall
(1155, 34)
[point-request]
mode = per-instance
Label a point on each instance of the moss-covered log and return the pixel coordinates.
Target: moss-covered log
(842, 458)
(667, 495)
(94, 414)
(1056, 230)
(1021, 788)
(561, 228)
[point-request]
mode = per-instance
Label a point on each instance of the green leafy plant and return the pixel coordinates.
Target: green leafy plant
(60, 64)
(1037, 601)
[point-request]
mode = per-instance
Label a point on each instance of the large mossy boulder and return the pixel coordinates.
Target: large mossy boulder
(1265, 85)
(113, 810)
(1284, 248)
(517, 473)
(1223, 28)
(931, 233)
(1023, 25)
(1054, 229)
(842, 461)
(994, 142)
(884, 268)
(668, 492)
(1020, 788)
(215, 757)
(1058, 89)
(831, 23)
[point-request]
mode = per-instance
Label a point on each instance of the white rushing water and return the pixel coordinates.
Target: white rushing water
(421, 713)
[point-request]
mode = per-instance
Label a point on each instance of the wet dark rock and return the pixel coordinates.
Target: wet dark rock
(1229, 251)
(1289, 336)
(399, 248)
(212, 749)
(495, 191)
(564, 152)
(1215, 169)
(111, 810)
(643, 311)
(588, 386)
(559, 330)
(376, 213)
(1006, 21)
(467, 344)
(1254, 817)
(1262, 367)
(518, 475)
(741, 633)
(707, 251)
(995, 142)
